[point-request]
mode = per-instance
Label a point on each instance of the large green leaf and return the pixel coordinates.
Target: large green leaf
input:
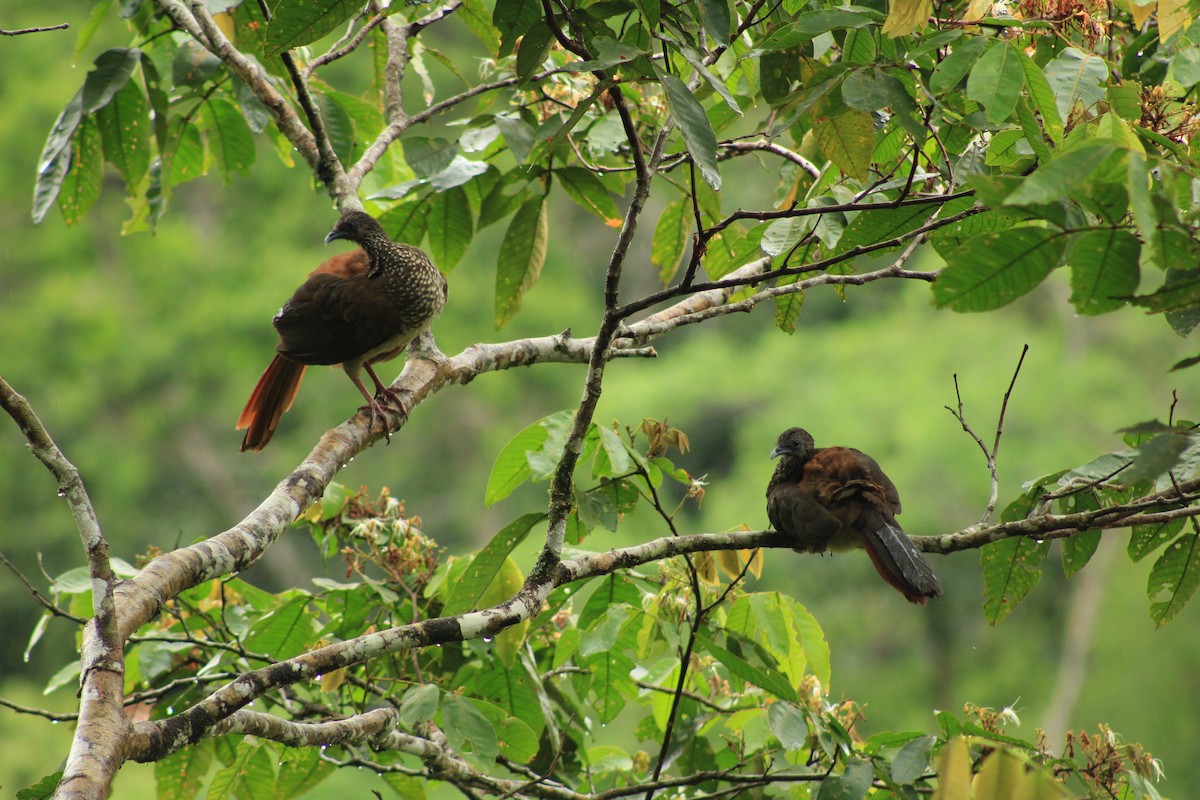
(81, 185)
(229, 140)
(112, 71)
(511, 467)
(450, 227)
(1104, 269)
(180, 775)
(56, 158)
(881, 224)
(300, 769)
(670, 240)
(847, 138)
(285, 632)
(1043, 98)
(993, 269)
(1061, 176)
(522, 254)
(124, 125)
(996, 81)
(251, 774)
(1011, 568)
(295, 23)
(582, 186)
(694, 125)
(1174, 578)
(465, 593)
(714, 14)
(468, 731)
(1077, 77)
(1077, 550)
(954, 67)
(764, 678)
(535, 45)
(513, 18)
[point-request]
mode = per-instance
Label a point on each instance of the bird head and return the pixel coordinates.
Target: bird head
(354, 226)
(795, 442)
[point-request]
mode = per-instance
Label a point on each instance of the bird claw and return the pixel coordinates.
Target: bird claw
(375, 410)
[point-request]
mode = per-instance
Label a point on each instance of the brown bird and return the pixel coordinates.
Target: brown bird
(837, 498)
(357, 309)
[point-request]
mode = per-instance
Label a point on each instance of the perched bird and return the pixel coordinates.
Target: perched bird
(837, 498)
(356, 309)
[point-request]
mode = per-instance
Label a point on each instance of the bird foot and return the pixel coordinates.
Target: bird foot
(392, 401)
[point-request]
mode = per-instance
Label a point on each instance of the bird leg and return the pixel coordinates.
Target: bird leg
(390, 394)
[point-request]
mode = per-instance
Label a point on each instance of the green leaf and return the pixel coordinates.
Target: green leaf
(295, 23)
(1031, 133)
(486, 564)
(993, 269)
(513, 18)
(511, 468)
(43, 789)
(847, 138)
(511, 691)
(610, 683)
(450, 227)
(285, 632)
(913, 760)
(694, 125)
(428, 157)
(996, 81)
(787, 306)
(1043, 97)
(419, 704)
(531, 54)
(1174, 578)
(1061, 176)
(852, 784)
(522, 254)
(714, 14)
(251, 774)
(671, 236)
(111, 73)
(468, 731)
(1076, 77)
(1145, 539)
(1156, 457)
(764, 678)
(56, 158)
(186, 158)
(300, 769)
(881, 224)
(229, 139)
(582, 186)
(1011, 568)
(1179, 292)
(1077, 550)
(789, 723)
(811, 24)
(81, 185)
(1104, 269)
(124, 125)
(953, 68)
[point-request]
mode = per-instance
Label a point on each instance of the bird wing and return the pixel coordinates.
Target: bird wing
(318, 326)
(796, 512)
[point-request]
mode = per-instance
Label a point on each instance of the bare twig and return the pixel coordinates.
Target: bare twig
(990, 455)
(40, 598)
(62, 26)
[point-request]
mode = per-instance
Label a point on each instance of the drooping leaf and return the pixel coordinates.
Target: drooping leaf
(513, 18)
(419, 704)
(81, 185)
(56, 158)
(694, 125)
(1145, 539)
(847, 138)
(670, 240)
(1077, 550)
(954, 67)
(534, 47)
(124, 125)
(468, 731)
(764, 678)
(520, 260)
(511, 468)
(1174, 578)
(180, 775)
(251, 773)
(905, 16)
(1104, 269)
(582, 186)
(295, 23)
(996, 81)
(913, 760)
(789, 724)
(450, 227)
(230, 142)
(467, 591)
(714, 14)
(1061, 176)
(1076, 77)
(954, 771)
(111, 73)
(1043, 98)
(300, 769)
(993, 269)
(1011, 569)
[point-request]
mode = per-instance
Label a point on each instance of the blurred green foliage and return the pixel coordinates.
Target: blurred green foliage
(139, 351)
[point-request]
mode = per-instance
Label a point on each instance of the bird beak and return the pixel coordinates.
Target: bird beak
(777, 452)
(334, 234)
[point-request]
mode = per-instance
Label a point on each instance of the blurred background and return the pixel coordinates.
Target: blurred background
(138, 353)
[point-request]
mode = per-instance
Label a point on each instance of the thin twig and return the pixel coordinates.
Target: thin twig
(41, 599)
(62, 26)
